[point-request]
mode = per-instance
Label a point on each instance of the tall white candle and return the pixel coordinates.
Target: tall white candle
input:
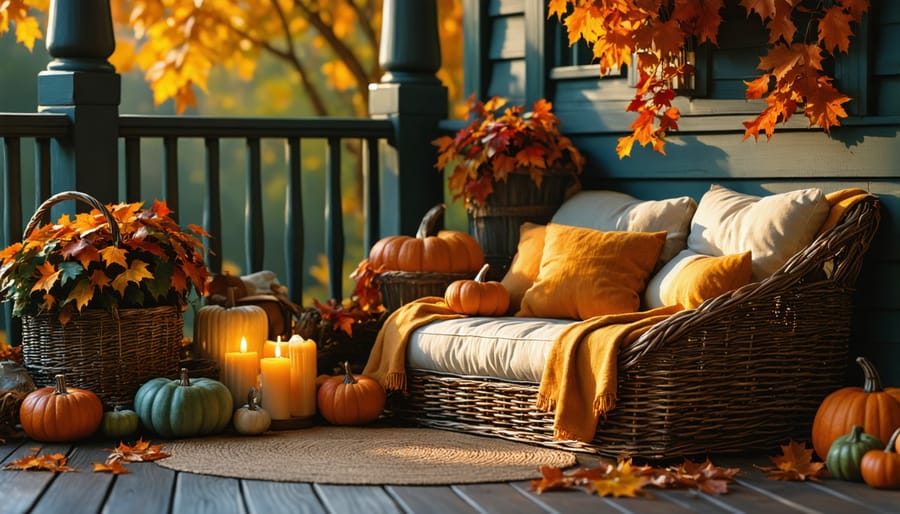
(240, 372)
(276, 385)
(303, 376)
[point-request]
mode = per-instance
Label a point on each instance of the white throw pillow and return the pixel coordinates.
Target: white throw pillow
(773, 228)
(612, 210)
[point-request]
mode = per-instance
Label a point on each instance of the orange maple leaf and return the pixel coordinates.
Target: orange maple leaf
(557, 7)
(81, 294)
(795, 464)
(764, 8)
(140, 451)
(160, 208)
(530, 156)
(620, 481)
(115, 467)
(834, 29)
(49, 275)
(36, 462)
(114, 255)
(135, 273)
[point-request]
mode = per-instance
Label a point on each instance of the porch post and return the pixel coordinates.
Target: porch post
(411, 96)
(81, 83)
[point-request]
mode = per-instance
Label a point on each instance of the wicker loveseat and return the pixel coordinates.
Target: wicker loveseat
(744, 371)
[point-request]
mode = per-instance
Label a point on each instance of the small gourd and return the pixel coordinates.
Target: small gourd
(184, 407)
(881, 468)
(847, 451)
(875, 408)
(251, 419)
(477, 297)
(60, 413)
(119, 422)
(351, 400)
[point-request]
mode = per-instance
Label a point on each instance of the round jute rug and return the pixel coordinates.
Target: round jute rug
(368, 455)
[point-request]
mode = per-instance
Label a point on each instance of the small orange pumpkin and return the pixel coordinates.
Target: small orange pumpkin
(875, 408)
(477, 297)
(881, 468)
(450, 251)
(60, 414)
(350, 400)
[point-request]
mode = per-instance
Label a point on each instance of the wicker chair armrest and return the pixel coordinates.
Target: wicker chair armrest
(834, 257)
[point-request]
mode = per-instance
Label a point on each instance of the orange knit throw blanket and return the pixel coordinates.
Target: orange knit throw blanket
(579, 380)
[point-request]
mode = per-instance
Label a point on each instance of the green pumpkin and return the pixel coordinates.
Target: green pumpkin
(847, 451)
(184, 407)
(119, 422)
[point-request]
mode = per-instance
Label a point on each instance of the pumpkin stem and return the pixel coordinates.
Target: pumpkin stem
(183, 379)
(60, 385)
(482, 273)
(872, 382)
(348, 377)
(252, 402)
(892, 444)
(855, 432)
(426, 226)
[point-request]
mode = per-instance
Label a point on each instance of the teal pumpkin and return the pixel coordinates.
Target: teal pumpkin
(847, 451)
(184, 407)
(119, 422)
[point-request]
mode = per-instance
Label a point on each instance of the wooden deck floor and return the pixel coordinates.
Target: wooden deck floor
(154, 489)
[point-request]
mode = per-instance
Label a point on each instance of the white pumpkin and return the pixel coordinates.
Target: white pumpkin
(219, 329)
(251, 419)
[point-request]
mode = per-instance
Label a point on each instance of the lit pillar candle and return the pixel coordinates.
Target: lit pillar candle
(303, 376)
(240, 372)
(276, 385)
(269, 348)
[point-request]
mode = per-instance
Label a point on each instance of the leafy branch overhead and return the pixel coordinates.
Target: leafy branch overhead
(650, 35)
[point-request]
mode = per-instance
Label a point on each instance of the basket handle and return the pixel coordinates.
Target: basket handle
(44, 209)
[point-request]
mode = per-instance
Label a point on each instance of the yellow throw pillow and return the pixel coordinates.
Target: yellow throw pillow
(523, 270)
(586, 273)
(703, 277)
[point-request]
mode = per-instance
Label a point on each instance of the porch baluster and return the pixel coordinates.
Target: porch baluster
(334, 220)
(254, 239)
(212, 209)
(293, 223)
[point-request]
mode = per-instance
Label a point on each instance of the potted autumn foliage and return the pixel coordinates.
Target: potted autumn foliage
(101, 293)
(508, 165)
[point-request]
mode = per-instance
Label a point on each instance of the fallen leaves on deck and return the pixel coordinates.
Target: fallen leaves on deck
(141, 451)
(795, 464)
(626, 480)
(36, 462)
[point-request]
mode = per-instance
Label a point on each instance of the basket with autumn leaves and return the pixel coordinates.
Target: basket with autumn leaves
(101, 293)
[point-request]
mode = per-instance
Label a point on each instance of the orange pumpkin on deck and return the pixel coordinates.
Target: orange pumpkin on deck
(477, 297)
(60, 414)
(350, 400)
(873, 407)
(450, 251)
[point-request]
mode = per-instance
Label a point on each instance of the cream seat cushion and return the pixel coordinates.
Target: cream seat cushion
(507, 348)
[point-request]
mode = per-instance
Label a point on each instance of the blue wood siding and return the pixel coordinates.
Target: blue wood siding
(709, 148)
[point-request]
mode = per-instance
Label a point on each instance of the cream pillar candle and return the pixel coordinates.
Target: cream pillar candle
(276, 385)
(303, 376)
(240, 372)
(269, 348)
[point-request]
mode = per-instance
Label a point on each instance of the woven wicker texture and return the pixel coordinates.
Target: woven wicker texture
(99, 351)
(744, 371)
(401, 287)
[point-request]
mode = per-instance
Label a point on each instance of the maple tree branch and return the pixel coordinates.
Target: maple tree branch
(367, 28)
(339, 47)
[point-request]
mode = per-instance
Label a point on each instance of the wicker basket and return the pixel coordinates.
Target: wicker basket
(745, 371)
(513, 202)
(401, 287)
(109, 353)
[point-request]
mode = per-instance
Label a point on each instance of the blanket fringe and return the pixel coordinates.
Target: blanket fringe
(604, 404)
(395, 381)
(545, 404)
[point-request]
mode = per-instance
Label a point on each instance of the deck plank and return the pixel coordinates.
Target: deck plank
(269, 497)
(428, 499)
(498, 498)
(90, 488)
(875, 500)
(358, 498)
(578, 500)
(205, 494)
(148, 489)
(23, 489)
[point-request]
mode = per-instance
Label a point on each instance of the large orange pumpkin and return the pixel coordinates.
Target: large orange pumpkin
(477, 297)
(350, 400)
(60, 414)
(450, 251)
(875, 408)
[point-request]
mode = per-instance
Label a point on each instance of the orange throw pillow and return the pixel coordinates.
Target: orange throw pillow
(523, 270)
(586, 273)
(707, 277)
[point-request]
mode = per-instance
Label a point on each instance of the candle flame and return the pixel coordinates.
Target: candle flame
(243, 345)
(278, 350)
(278, 340)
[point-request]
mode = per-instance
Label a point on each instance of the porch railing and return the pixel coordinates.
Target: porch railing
(408, 104)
